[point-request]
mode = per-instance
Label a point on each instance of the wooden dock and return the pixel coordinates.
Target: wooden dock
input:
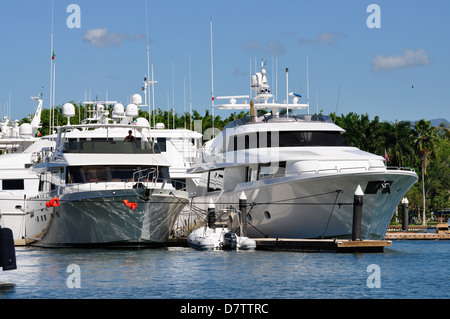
(321, 245)
(308, 245)
(416, 236)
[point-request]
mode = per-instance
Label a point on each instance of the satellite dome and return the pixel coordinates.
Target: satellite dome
(25, 130)
(132, 110)
(137, 99)
(118, 110)
(141, 121)
(68, 110)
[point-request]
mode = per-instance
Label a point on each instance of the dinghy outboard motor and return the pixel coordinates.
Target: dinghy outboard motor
(211, 218)
(7, 250)
(229, 241)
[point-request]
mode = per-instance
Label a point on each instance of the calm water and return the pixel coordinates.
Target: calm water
(407, 270)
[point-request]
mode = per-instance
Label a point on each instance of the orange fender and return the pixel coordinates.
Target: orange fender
(130, 204)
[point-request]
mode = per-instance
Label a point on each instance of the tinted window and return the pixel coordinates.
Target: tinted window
(8, 184)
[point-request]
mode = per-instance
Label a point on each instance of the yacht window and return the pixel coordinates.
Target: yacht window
(215, 180)
(109, 146)
(271, 170)
(10, 184)
(286, 139)
(161, 143)
(313, 138)
(87, 174)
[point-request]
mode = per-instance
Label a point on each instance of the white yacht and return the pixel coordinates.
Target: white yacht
(297, 172)
(15, 137)
(17, 181)
(97, 189)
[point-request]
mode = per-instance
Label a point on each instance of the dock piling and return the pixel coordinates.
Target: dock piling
(405, 218)
(243, 209)
(357, 213)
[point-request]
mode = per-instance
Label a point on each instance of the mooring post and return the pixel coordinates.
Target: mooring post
(243, 209)
(357, 213)
(405, 218)
(211, 214)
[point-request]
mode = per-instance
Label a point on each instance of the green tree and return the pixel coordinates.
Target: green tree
(425, 143)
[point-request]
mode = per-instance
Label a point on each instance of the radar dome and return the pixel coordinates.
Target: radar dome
(25, 130)
(141, 121)
(132, 110)
(68, 110)
(136, 99)
(118, 110)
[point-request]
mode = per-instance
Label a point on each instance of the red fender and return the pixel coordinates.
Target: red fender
(130, 204)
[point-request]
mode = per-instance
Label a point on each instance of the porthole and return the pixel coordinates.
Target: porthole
(267, 214)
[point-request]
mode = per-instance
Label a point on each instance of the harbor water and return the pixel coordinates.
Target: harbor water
(406, 270)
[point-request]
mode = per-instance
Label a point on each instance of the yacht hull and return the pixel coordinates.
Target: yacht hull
(319, 206)
(102, 218)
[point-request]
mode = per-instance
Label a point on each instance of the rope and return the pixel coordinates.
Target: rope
(331, 213)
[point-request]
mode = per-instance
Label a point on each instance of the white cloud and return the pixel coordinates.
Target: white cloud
(325, 38)
(100, 37)
(409, 58)
(274, 46)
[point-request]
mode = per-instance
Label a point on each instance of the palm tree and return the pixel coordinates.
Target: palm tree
(399, 147)
(425, 142)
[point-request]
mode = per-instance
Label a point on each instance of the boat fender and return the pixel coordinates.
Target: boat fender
(7, 250)
(53, 202)
(131, 205)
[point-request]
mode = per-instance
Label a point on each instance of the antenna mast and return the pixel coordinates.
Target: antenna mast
(212, 82)
(51, 102)
(307, 82)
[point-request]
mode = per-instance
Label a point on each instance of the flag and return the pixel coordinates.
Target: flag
(386, 156)
(53, 55)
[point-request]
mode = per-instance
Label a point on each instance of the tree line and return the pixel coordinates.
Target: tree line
(417, 145)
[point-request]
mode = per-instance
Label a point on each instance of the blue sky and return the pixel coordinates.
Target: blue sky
(397, 72)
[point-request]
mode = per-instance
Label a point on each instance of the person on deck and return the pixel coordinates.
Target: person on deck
(130, 137)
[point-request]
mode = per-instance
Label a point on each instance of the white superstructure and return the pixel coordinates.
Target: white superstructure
(297, 172)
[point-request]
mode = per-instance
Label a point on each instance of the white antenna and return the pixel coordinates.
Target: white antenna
(250, 77)
(153, 97)
(317, 103)
(276, 79)
(287, 92)
(337, 102)
(148, 55)
(307, 83)
(173, 95)
(190, 95)
(51, 76)
(212, 82)
(53, 109)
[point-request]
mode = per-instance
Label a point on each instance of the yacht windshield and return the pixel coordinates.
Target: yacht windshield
(99, 173)
(110, 146)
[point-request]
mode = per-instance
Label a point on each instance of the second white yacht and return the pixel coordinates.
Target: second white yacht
(297, 172)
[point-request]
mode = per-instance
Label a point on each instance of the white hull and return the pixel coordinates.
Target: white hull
(101, 218)
(316, 207)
